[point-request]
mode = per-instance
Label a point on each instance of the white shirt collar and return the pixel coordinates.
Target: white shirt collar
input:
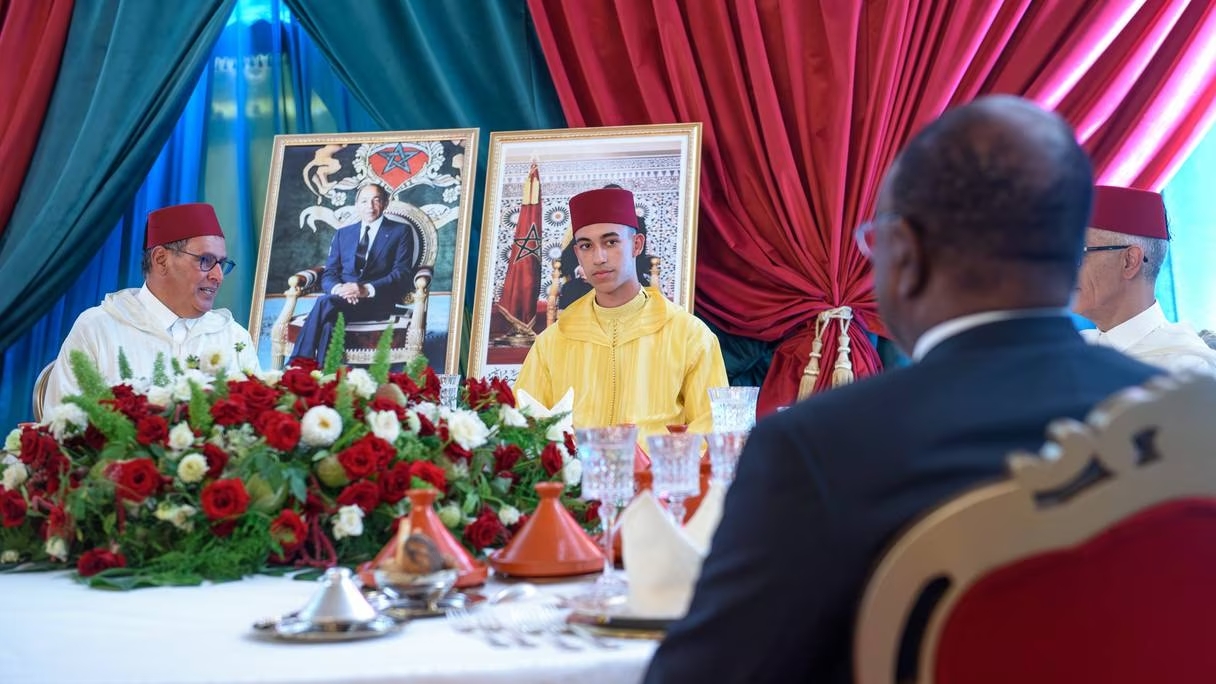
(947, 329)
(1129, 332)
(373, 227)
(163, 315)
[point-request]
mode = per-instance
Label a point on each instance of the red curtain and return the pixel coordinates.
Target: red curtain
(805, 104)
(32, 35)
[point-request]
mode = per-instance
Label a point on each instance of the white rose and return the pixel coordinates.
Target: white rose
(384, 424)
(14, 475)
(572, 471)
(159, 396)
(412, 423)
(57, 548)
(65, 419)
(192, 468)
(10, 556)
(426, 408)
(320, 426)
(511, 416)
(467, 430)
(179, 516)
(9, 459)
(509, 515)
(348, 522)
(181, 437)
(270, 377)
(362, 382)
(12, 443)
(212, 360)
(181, 388)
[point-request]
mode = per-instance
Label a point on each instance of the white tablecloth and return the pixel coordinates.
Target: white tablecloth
(55, 630)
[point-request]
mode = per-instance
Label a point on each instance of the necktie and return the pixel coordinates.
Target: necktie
(361, 251)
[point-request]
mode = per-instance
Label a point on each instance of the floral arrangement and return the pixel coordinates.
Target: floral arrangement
(192, 475)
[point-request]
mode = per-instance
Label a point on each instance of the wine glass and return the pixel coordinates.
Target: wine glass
(607, 457)
(733, 408)
(449, 389)
(724, 450)
(675, 460)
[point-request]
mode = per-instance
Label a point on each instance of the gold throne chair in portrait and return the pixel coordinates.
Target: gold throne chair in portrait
(409, 323)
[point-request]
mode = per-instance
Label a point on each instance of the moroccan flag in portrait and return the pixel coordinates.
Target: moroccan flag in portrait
(521, 287)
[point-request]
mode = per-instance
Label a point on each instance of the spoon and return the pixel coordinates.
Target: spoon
(515, 592)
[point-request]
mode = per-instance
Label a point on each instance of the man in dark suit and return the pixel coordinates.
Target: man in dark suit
(368, 272)
(975, 246)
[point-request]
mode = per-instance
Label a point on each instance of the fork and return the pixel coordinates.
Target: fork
(463, 622)
(491, 623)
(536, 621)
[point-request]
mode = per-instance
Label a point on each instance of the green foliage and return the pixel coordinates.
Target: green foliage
(160, 377)
(200, 409)
(124, 366)
(380, 360)
(118, 430)
(90, 381)
(337, 347)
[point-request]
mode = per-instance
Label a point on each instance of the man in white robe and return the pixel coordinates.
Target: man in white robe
(184, 263)
(1125, 246)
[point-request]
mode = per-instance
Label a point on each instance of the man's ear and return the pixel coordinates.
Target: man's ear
(908, 259)
(1133, 262)
(639, 243)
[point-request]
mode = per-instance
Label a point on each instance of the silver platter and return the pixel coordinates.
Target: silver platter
(292, 629)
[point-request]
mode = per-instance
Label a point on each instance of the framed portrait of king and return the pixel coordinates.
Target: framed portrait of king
(527, 272)
(371, 226)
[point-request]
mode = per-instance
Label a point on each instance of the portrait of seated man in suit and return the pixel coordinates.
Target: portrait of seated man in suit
(367, 273)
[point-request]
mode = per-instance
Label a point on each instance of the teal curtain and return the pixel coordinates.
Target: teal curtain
(1187, 288)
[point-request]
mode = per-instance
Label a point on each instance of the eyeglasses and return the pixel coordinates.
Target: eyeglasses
(866, 233)
(206, 262)
(1102, 248)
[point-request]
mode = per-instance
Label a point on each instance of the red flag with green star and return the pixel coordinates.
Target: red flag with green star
(521, 287)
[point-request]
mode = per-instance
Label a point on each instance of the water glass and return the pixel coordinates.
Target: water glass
(449, 389)
(607, 457)
(675, 460)
(724, 450)
(733, 408)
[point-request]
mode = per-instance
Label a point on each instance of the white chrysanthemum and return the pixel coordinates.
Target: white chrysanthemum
(412, 424)
(384, 424)
(57, 548)
(181, 437)
(426, 408)
(572, 471)
(12, 443)
(511, 416)
(270, 377)
(159, 396)
(212, 360)
(362, 382)
(10, 556)
(179, 516)
(509, 515)
(320, 426)
(65, 419)
(181, 388)
(348, 522)
(15, 474)
(9, 459)
(467, 430)
(192, 468)
(451, 516)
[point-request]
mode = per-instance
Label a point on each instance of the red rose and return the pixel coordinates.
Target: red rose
(223, 528)
(96, 560)
(503, 389)
(93, 438)
(36, 446)
(152, 430)
(326, 395)
(394, 482)
(289, 530)
(257, 396)
(382, 452)
(592, 512)
(386, 404)
(430, 386)
(315, 505)
(135, 480)
(217, 458)
(12, 508)
(135, 407)
(568, 438)
(364, 494)
(56, 524)
(358, 460)
(304, 363)
(230, 411)
(480, 394)
(425, 427)
(430, 473)
(282, 431)
(519, 524)
(457, 452)
(551, 458)
(506, 456)
(485, 530)
(405, 382)
(224, 499)
(299, 382)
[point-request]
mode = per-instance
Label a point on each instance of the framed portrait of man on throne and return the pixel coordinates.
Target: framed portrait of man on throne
(527, 272)
(370, 226)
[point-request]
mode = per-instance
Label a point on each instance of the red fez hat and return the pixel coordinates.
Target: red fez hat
(605, 205)
(181, 222)
(1129, 211)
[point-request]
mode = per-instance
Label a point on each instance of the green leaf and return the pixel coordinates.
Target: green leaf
(472, 504)
(380, 360)
(92, 384)
(124, 366)
(337, 347)
(160, 377)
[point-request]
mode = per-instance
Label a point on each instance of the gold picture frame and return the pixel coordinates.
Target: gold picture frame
(660, 164)
(314, 182)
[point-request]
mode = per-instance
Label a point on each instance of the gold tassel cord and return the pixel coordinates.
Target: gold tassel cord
(842, 369)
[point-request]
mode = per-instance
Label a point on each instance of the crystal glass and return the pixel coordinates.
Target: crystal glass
(733, 408)
(724, 450)
(607, 457)
(675, 460)
(449, 389)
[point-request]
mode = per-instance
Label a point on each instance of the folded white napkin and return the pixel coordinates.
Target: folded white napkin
(663, 561)
(529, 406)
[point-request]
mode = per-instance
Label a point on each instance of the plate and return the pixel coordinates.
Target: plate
(404, 609)
(290, 629)
(621, 624)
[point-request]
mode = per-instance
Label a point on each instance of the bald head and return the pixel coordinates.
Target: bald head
(997, 181)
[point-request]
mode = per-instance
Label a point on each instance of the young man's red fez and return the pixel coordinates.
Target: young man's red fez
(1129, 211)
(605, 205)
(181, 222)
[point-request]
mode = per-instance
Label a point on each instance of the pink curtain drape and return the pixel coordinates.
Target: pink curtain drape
(805, 104)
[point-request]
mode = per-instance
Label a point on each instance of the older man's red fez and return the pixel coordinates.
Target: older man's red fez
(1129, 211)
(181, 222)
(605, 205)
